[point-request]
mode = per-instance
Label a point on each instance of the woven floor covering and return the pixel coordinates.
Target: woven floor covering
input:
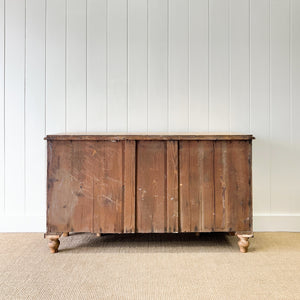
(150, 266)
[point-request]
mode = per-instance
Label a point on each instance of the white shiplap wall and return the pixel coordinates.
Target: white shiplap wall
(149, 66)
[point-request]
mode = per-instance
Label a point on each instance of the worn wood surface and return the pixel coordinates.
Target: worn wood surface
(157, 137)
(233, 198)
(116, 186)
(157, 186)
(108, 187)
(70, 188)
(196, 186)
(129, 186)
(90, 186)
(151, 183)
(172, 187)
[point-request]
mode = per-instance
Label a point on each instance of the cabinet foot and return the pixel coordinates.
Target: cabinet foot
(53, 243)
(243, 241)
(65, 234)
(98, 234)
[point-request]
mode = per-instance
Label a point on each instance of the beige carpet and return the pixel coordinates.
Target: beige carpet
(150, 267)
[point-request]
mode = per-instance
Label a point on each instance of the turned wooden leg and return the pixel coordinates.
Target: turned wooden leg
(98, 234)
(197, 233)
(65, 234)
(244, 241)
(53, 242)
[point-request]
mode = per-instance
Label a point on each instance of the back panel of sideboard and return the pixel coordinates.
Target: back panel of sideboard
(215, 186)
(157, 186)
(91, 186)
(113, 186)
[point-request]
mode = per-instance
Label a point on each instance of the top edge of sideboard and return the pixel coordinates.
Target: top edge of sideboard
(147, 137)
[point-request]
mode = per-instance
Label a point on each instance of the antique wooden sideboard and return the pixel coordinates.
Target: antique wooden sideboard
(149, 183)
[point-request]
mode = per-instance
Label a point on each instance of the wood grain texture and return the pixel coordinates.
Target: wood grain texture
(233, 179)
(108, 187)
(151, 183)
(129, 186)
(111, 186)
(196, 186)
(70, 188)
(172, 186)
(91, 186)
(157, 196)
(157, 137)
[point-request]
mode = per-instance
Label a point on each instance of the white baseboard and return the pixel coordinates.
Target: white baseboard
(278, 222)
(260, 223)
(22, 224)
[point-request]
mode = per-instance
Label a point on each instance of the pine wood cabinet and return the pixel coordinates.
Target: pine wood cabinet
(149, 183)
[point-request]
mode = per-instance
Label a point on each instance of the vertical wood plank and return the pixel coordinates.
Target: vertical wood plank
(196, 186)
(55, 66)
(178, 65)
(2, 108)
(35, 102)
(71, 166)
(96, 65)
(295, 103)
(219, 105)
(232, 173)
(82, 171)
(151, 183)
(158, 65)
(108, 187)
(280, 106)
(59, 166)
(14, 107)
(172, 186)
(198, 66)
(222, 205)
(129, 186)
(239, 66)
(260, 103)
(137, 65)
(117, 109)
(76, 66)
(157, 186)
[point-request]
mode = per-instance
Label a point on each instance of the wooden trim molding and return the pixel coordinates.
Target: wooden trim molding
(120, 137)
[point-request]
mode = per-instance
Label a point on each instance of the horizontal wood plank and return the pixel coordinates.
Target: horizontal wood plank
(157, 137)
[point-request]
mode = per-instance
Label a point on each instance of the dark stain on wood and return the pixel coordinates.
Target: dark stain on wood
(136, 183)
